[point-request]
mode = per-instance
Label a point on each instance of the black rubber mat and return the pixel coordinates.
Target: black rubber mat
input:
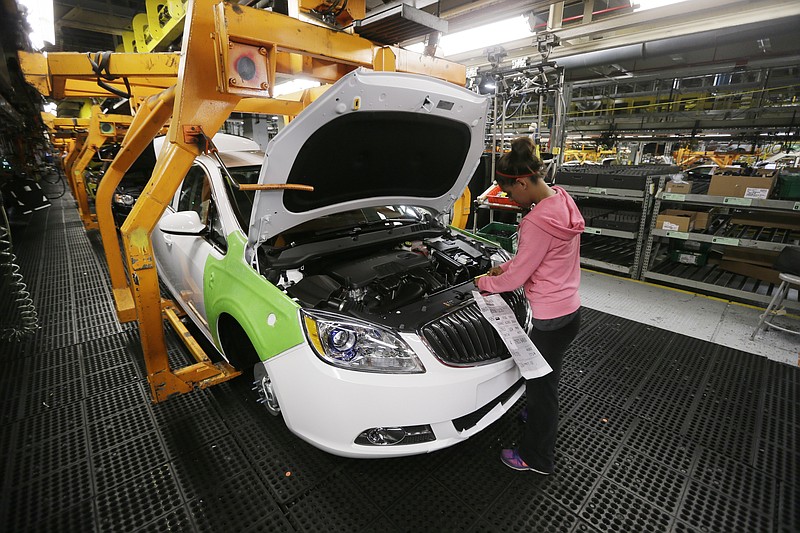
(659, 432)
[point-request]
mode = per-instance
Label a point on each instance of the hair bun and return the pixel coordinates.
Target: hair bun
(522, 149)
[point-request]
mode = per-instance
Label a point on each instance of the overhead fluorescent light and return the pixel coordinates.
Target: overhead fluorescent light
(643, 5)
(40, 19)
(294, 86)
(493, 34)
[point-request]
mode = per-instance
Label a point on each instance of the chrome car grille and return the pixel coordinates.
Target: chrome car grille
(465, 338)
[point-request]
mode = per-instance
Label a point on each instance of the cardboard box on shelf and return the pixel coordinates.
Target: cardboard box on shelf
(741, 186)
(729, 171)
(751, 271)
(766, 219)
(765, 172)
(678, 188)
(704, 217)
(675, 220)
(751, 256)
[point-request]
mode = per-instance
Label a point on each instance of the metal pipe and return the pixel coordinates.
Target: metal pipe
(503, 126)
(683, 43)
(539, 116)
(494, 130)
(557, 132)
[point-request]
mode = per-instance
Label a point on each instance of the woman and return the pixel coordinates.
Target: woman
(547, 265)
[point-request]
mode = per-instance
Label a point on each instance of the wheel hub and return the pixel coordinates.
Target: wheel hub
(264, 389)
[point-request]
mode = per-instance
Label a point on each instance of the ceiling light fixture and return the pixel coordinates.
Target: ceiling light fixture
(40, 18)
(493, 34)
(294, 86)
(643, 5)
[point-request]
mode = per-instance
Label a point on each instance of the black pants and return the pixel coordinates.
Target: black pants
(537, 447)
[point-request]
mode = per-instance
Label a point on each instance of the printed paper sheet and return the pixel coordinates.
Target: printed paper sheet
(530, 361)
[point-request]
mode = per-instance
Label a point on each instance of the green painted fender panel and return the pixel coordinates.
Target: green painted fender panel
(232, 286)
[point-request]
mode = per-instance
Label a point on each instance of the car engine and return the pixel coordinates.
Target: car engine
(377, 282)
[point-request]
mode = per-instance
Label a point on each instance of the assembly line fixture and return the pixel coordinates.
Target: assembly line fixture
(246, 50)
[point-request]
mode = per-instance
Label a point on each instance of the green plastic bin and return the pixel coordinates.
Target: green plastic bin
(789, 186)
(503, 234)
(689, 258)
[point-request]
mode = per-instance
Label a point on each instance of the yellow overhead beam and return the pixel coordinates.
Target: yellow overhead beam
(56, 124)
(296, 48)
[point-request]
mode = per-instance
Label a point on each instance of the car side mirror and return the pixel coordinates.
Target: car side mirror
(182, 223)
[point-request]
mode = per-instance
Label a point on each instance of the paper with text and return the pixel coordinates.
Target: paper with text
(530, 361)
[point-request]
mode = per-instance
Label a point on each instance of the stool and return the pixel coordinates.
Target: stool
(788, 264)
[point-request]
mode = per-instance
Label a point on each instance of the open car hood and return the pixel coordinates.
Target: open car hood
(373, 138)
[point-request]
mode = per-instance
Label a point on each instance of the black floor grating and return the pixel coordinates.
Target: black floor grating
(120, 428)
(647, 479)
(659, 432)
(233, 504)
(138, 501)
(612, 508)
(708, 509)
(539, 512)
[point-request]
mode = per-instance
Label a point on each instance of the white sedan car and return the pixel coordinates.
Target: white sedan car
(351, 304)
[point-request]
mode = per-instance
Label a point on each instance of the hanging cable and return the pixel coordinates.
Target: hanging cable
(100, 65)
(60, 178)
(20, 298)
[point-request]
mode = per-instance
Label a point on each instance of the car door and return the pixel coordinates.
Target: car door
(182, 258)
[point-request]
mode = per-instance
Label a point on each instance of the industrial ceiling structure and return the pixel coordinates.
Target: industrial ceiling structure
(608, 38)
(611, 50)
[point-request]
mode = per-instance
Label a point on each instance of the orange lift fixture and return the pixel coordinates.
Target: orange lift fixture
(216, 36)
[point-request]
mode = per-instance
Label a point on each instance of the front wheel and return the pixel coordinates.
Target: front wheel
(262, 384)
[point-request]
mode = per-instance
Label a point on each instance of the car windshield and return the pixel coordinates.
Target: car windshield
(243, 200)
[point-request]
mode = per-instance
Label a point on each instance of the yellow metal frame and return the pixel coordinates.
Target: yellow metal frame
(461, 210)
(67, 162)
(148, 122)
(159, 25)
(686, 157)
(102, 128)
(277, 44)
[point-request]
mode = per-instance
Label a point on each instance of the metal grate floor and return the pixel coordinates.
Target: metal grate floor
(659, 432)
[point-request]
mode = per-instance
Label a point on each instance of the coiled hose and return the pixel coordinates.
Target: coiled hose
(19, 299)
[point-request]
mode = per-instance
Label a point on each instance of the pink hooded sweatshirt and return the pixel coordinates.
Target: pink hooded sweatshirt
(548, 258)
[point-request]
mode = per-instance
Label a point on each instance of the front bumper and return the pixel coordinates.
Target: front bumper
(329, 407)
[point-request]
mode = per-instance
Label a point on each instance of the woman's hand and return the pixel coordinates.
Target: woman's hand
(495, 271)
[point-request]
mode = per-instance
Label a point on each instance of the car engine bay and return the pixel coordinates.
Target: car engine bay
(395, 278)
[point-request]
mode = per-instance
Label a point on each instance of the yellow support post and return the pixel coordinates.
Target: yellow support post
(102, 128)
(461, 209)
(72, 156)
(197, 104)
(149, 120)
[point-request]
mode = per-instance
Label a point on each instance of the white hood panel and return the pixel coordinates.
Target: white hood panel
(373, 138)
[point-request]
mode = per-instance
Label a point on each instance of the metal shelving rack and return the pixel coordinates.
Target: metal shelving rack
(710, 278)
(612, 249)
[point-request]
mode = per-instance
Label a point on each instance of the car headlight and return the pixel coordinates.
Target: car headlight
(124, 199)
(355, 345)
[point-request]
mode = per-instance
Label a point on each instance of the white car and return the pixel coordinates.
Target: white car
(352, 304)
